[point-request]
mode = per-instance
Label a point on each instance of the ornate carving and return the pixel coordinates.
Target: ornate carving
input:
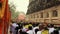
(38, 5)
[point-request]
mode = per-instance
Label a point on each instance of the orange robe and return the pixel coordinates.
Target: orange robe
(5, 15)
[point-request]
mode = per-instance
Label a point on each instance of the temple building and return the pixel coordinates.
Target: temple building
(44, 11)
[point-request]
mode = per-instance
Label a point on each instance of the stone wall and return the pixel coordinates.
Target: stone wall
(36, 17)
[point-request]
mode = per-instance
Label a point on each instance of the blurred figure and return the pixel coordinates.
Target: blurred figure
(30, 30)
(41, 26)
(25, 27)
(59, 30)
(20, 26)
(22, 32)
(11, 32)
(45, 31)
(55, 32)
(51, 28)
(36, 28)
(12, 27)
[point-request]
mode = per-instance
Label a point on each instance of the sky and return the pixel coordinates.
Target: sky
(21, 5)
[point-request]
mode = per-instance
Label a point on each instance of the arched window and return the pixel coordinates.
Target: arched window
(47, 15)
(37, 15)
(54, 13)
(42, 15)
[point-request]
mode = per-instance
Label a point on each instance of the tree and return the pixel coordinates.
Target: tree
(12, 9)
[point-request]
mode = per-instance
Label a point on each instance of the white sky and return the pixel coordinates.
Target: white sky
(21, 5)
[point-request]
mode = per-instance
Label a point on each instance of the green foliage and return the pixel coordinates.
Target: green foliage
(13, 9)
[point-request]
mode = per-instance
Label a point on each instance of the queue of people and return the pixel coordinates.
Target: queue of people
(33, 28)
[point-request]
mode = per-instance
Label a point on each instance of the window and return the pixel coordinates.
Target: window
(37, 15)
(47, 15)
(34, 16)
(31, 16)
(54, 13)
(41, 15)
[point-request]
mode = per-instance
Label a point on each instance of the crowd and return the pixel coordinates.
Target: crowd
(33, 28)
